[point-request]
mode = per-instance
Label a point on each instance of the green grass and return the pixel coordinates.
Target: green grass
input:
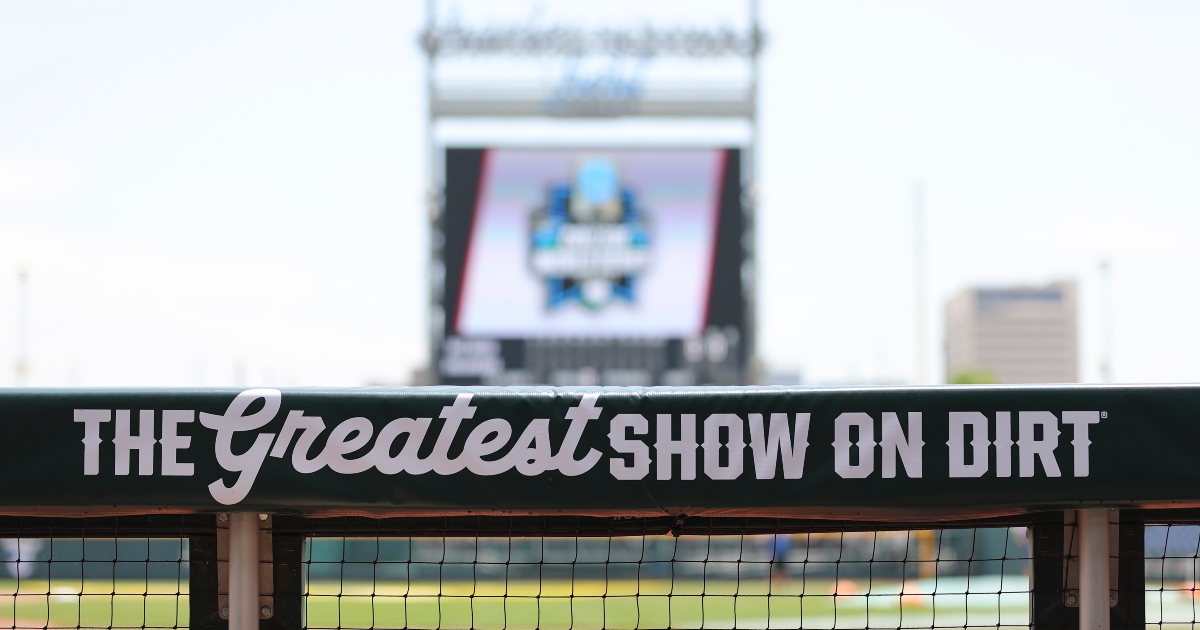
(93, 604)
(579, 611)
(648, 604)
(495, 604)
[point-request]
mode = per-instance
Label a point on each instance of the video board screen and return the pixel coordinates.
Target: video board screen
(560, 244)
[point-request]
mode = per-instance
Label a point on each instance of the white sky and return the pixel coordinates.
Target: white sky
(198, 186)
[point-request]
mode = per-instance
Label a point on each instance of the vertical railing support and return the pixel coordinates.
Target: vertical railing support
(243, 571)
(288, 573)
(1130, 610)
(204, 608)
(1047, 596)
(1093, 569)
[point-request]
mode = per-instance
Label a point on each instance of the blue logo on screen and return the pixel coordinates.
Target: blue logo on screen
(591, 242)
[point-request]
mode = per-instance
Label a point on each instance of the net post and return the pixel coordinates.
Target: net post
(203, 608)
(288, 563)
(1047, 608)
(1130, 611)
(1093, 569)
(243, 571)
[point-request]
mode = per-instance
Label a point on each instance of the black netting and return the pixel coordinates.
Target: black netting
(1172, 569)
(102, 575)
(877, 579)
(575, 572)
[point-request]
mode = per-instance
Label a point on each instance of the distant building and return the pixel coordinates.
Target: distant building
(1013, 335)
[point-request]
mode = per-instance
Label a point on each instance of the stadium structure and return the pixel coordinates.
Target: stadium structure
(573, 241)
(593, 226)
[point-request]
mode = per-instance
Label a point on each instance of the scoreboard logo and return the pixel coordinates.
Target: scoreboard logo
(591, 242)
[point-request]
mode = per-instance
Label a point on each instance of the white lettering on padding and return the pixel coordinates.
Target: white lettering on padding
(894, 444)
(777, 446)
(91, 419)
(712, 446)
(618, 432)
(1031, 448)
(842, 444)
(172, 442)
(959, 421)
(685, 447)
(234, 420)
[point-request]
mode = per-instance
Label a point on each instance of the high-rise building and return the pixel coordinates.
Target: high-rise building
(1013, 334)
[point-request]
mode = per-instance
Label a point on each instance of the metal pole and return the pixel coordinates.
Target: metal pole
(243, 571)
(1093, 569)
(919, 276)
(1106, 322)
(22, 365)
(754, 163)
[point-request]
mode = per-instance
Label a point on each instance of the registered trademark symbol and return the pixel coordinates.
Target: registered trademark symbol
(1103, 414)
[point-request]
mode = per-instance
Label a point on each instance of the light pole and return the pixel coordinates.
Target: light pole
(21, 368)
(919, 273)
(1106, 323)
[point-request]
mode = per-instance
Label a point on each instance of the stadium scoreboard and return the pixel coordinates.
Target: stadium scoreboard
(591, 267)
